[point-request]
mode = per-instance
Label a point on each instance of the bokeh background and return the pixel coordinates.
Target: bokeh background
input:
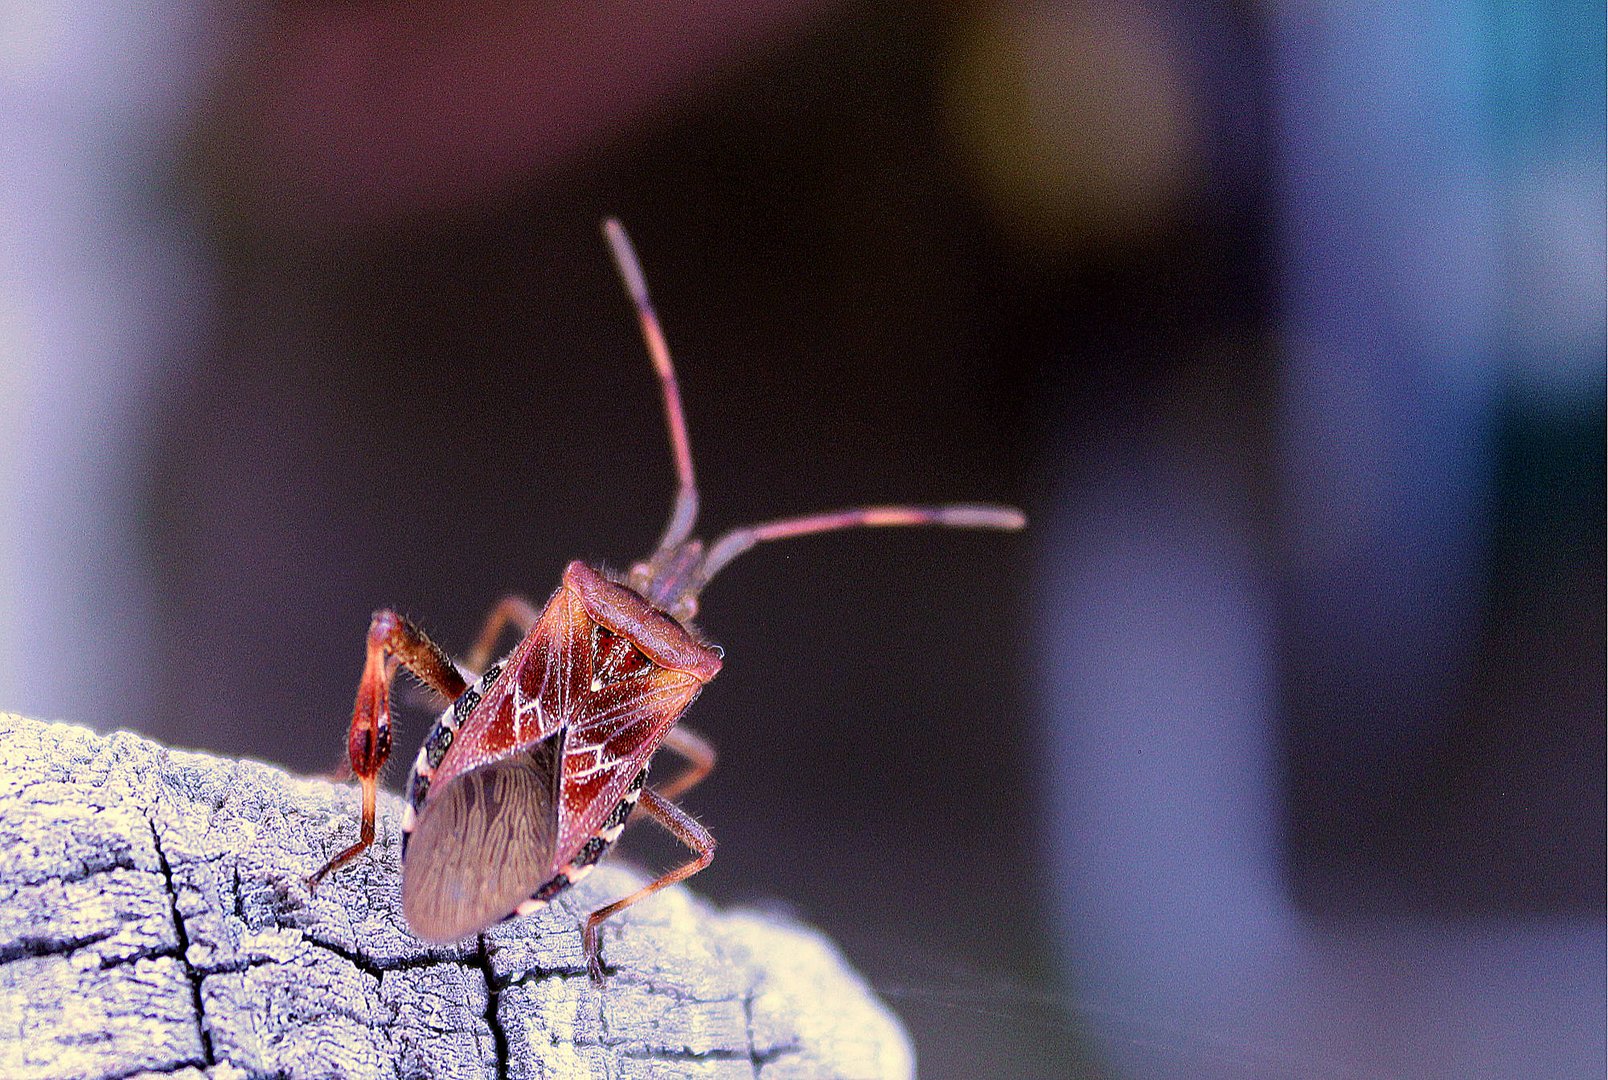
(1274, 748)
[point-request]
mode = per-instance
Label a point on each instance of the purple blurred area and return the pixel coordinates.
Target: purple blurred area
(1274, 748)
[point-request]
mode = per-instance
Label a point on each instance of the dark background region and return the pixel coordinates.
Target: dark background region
(882, 283)
(433, 414)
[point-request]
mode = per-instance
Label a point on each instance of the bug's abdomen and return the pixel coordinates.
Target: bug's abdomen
(436, 745)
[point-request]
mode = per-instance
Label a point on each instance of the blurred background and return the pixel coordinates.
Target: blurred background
(1274, 748)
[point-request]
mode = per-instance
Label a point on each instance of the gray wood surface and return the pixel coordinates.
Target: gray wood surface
(154, 922)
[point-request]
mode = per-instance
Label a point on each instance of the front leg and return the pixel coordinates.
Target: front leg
(511, 610)
(392, 641)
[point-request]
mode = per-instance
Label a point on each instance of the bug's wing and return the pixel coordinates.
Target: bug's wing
(613, 731)
(538, 763)
(531, 698)
(484, 845)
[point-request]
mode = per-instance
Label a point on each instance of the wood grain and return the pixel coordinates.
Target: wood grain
(154, 921)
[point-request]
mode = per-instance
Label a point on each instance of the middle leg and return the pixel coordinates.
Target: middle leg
(681, 825)
(511, 609)
(700, 757)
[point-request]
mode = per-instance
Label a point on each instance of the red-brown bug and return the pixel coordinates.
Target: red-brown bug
(528, 777)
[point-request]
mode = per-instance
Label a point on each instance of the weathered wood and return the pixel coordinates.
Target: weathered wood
(154, 921)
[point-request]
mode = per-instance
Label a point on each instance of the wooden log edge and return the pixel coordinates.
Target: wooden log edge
(155, 922)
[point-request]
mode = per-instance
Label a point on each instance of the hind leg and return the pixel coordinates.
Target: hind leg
(680, 825)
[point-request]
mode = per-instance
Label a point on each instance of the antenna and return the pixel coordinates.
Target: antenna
(677, 571)
(953, 516)
(685, 512)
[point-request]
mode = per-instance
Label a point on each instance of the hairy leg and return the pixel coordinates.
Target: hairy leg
(392, 642)
(680, 825)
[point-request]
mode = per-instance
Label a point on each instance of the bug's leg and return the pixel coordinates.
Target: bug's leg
(700, 757)
(510, 609)
(680, 825)
(392, 642)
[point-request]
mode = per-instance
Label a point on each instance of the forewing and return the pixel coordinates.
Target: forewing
(613, 733)
(532, 696)
(483, 844)
(574, 678)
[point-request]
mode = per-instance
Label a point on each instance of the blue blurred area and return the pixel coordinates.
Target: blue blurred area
(1331, 737)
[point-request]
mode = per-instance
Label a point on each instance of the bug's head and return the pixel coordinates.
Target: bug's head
(670, 579)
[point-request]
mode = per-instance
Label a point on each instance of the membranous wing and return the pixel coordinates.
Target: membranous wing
(481, 844)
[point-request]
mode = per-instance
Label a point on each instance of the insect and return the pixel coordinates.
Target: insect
(528, 777)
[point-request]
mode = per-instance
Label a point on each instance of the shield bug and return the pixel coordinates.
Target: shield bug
(530, 774)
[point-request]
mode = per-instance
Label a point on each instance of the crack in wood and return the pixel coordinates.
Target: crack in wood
(28, 948)
(84, 873)
(375, 968)
(499, 1037)
(172, 1071)
(184, 946)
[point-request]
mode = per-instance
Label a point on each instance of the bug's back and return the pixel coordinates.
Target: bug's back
(525, 781)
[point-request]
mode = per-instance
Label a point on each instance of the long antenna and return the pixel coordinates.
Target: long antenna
(953, 516)
(685, 512)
